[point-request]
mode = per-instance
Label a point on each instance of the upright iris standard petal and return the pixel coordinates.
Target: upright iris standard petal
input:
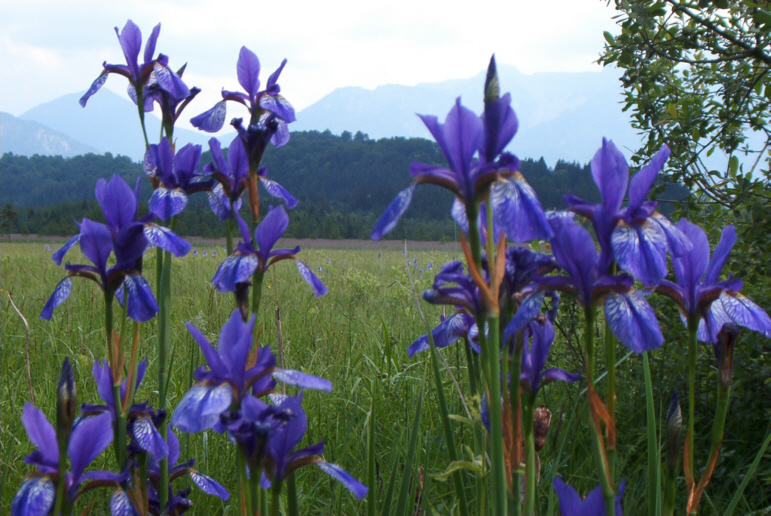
(40, 433)
(248, 68)
(643, 180)
(88, 440)
(270, 230)
(117, 200)
(611, 174)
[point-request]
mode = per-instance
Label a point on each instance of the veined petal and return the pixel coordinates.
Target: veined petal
(88, 440)
(220, 204)
(95, 86)
(212, 120)
(458, 213)
(691, 266)
(448, 332)
(59, 296)
(271, 229)
(276, 190)
(720, 255)
(643, 180)
(390, 217)
(248, 69)
(528, 310)
(40, 432)
(58, 256)
(517, 209)
(633, 321)
(121, 504)
(130, 39)
(302, 380)
(165, 202)
(745, 313)
(611, 174)
(141, 303)
(234, 269)
(208, 485)
(35, 497)
(641, 248)
(96, 243)
(676, 239)
(117, 200)
(356, 488)
(148, 437)
(166, 239)
(201, 407)
(280, 106)
(319, 289)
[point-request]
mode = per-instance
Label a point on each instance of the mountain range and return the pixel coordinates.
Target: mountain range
(562, 116)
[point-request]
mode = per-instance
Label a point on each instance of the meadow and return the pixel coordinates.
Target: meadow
(356, 337)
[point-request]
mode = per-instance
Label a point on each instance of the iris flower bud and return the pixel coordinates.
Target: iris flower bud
(66, 403)
(674, 423)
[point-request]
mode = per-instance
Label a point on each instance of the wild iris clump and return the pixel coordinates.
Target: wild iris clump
(501, 304)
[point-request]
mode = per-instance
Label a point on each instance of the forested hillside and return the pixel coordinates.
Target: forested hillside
(344, 181)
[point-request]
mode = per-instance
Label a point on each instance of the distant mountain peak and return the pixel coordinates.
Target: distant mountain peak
(27, 138)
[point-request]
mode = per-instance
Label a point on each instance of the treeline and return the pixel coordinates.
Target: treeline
(343, 183)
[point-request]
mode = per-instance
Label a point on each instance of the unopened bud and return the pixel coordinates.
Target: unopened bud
(674, 425)
(492, 86)
(66, 402)
(242, 298)
(724, 351)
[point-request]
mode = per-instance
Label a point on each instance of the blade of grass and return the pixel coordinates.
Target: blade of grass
(654, 489)
(404, 488)
(750, 473)
(371, 481)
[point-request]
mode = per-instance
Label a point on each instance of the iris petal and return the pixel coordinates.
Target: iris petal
(59, 296)
(233, 270)
(745, 313)
(121, 504)
(208, 485)
(35, 496)
(633, 321)
(201, 407)
(641, 248)
(302, 380)
(166, 239)
(390, 217)
(212, 120)
(148, 437)
(319, 289)
(165, 202)
(276, 190)
(358, 489)
(141, 303)
(517, 209)
(58, 256)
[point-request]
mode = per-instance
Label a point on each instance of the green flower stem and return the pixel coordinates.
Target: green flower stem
(255, 474)
(108, 321)
(133, 368)
(528, 419)
(514, 395)
(61, 502)
(243, 492)
(292, 507)
(693, 327)
(610, 367)
(121, 440)
(669, 493)
(229, 232)
(275, 500)
(142, 458)
(257, 278)
(654, 493)
(496, 427)
(141, 110)
(598, 447)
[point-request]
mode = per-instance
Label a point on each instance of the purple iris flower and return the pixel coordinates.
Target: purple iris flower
(534, 358)
(125, 236)
(256, 101)
(286, 428)
(232, 177)
(256, 254)
(172, 101)
(142, 421)
(571, 503)
(449, 331)
(152, 71)
(88, 439)
(699, 294)
(637, 237)
(175, 176)
(629, 315)
(463, 135)
(230, 377)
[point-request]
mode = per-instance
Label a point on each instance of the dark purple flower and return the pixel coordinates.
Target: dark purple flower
(699, 294)
(253, 254)
(125, 236)
(89, 438)
(175, 176)
(629, 315)
(172, 100)
(142, 420)
(152, 71)
(638, 237)
(257, 101)
(230, 376)
(534, 358)
(515, 206)
(571, 503)
(286, 428)
(449, 331)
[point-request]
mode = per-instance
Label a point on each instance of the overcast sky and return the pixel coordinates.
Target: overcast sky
(49, 48)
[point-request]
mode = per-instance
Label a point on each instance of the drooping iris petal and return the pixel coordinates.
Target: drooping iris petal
(633, 321)
(212, 120)
(121, 504)
(95, 86)
(517, 209)
(220, 204)
(166, 202)
(88, 440)
(448, 332)
(58, 256)
(201, 407)
(744, 312)
(208, 485)
(148, 437)
(234, 269)
(356, 488)
(141, 303)
(641, 249)
(278, 191)
(302, 380)
(390, 217)
(166, 239)
(319, 289)
(35, 496)
(528, 310)
(59, 296)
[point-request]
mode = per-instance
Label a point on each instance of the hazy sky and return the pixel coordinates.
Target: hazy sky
(49, 48)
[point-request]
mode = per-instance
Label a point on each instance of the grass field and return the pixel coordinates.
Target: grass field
(354, 336)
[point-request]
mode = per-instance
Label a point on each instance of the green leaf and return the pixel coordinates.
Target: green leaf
(733, 166)
(457, 466)
(404, 488)
(609, 38)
